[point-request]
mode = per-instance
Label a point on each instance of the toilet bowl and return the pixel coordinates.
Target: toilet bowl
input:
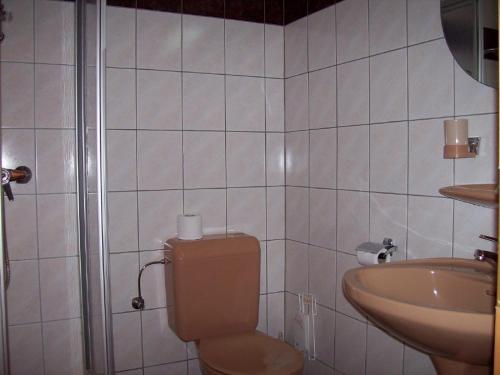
(213, 289)
(248, 353)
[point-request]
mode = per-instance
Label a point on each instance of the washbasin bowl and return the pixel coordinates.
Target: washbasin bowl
(441, 306)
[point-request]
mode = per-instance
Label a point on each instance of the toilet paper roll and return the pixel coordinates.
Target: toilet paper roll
(189, 227)
(366, 258)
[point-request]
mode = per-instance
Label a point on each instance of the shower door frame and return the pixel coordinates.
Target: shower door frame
(81, 81)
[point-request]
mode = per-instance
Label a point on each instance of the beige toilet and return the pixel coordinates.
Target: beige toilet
(213, 287)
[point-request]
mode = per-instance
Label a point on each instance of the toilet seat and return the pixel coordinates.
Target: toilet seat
(249, 353)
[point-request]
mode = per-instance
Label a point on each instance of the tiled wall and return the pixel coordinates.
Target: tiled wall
(37, 129)
(195, 112)
(368, 84)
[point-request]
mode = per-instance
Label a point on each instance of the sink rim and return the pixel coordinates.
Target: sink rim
(486, 271)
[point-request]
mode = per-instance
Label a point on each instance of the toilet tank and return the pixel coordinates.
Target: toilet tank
(213, 285)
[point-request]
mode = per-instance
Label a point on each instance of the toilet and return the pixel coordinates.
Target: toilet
(213, 289)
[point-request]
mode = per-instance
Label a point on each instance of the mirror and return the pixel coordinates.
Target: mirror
(471, 31)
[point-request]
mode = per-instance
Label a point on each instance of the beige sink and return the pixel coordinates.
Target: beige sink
(442, 306)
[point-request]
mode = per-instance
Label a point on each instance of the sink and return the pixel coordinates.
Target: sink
(442, 306)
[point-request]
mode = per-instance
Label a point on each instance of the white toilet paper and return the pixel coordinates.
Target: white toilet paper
(366, 258)
(189, 227)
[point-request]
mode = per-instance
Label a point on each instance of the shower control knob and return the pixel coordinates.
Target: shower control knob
(138, 303)
(8, 191)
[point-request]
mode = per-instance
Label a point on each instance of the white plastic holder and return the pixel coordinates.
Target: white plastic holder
(308, 309)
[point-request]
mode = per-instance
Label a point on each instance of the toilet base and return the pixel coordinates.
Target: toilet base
(207, 370)
(445, 366)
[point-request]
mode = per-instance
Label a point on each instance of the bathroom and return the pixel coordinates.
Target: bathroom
(313, 125)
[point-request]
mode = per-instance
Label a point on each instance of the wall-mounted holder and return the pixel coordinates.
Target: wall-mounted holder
(458, 144)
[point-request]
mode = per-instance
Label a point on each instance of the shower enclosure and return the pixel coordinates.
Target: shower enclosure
(55, 315)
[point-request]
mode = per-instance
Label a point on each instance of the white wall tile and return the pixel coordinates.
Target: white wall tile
(388, 220)
(17, 99)
(321, 38)
(296, 267)
(122, 222)
(158, 40)
(482, 168)
(121, 160)
(275, 158)
(294, 331)
(153, 282)
(352, 30)
(325, 335)
(275, 105)
(296, 103)
(245, 159)
(323, 158)
(378, 361)
(121, 37)
(246, 211)
(245, 103)
(244, 48)
(296, 47)
(159, 160)
(275, 212)
(350, 333)
(426, 142)
(417, 363)
(424, 21)
(389, 157)
(154, 111)
(60, 292)
(275, 266)
(472, 96)
(202, 44)
(352, 220)
(158, 212)
(26, 349)
(262, 322)
(20, 226)
(19, 43)
(54, 96)
(127, 340)
(179, 368)
(430, 227)
(388, 88)
(203, 101)
(57, 226)
(297, 158)
(160, 344)
(274, 50)
(123, 287)
(120, 98)
(275, 314)
(54, 32)
(23, 294)
(387, 25)
(297, 214)
(323, 214)
(322, 98)
(55, 155)
(353, 157)
(322, 276)
(199, 170)
(469, 222)
(263, 283)
(211, 205)
(430, 80)
(353, 93)
(62, 347)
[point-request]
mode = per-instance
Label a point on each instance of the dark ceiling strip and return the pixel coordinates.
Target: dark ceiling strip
(276, 12)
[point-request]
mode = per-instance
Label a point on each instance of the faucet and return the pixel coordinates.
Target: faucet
(483, 255)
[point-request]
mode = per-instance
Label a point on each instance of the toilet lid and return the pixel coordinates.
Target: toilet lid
(250, 353)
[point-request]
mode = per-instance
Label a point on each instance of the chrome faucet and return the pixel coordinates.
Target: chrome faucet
(483, 255)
